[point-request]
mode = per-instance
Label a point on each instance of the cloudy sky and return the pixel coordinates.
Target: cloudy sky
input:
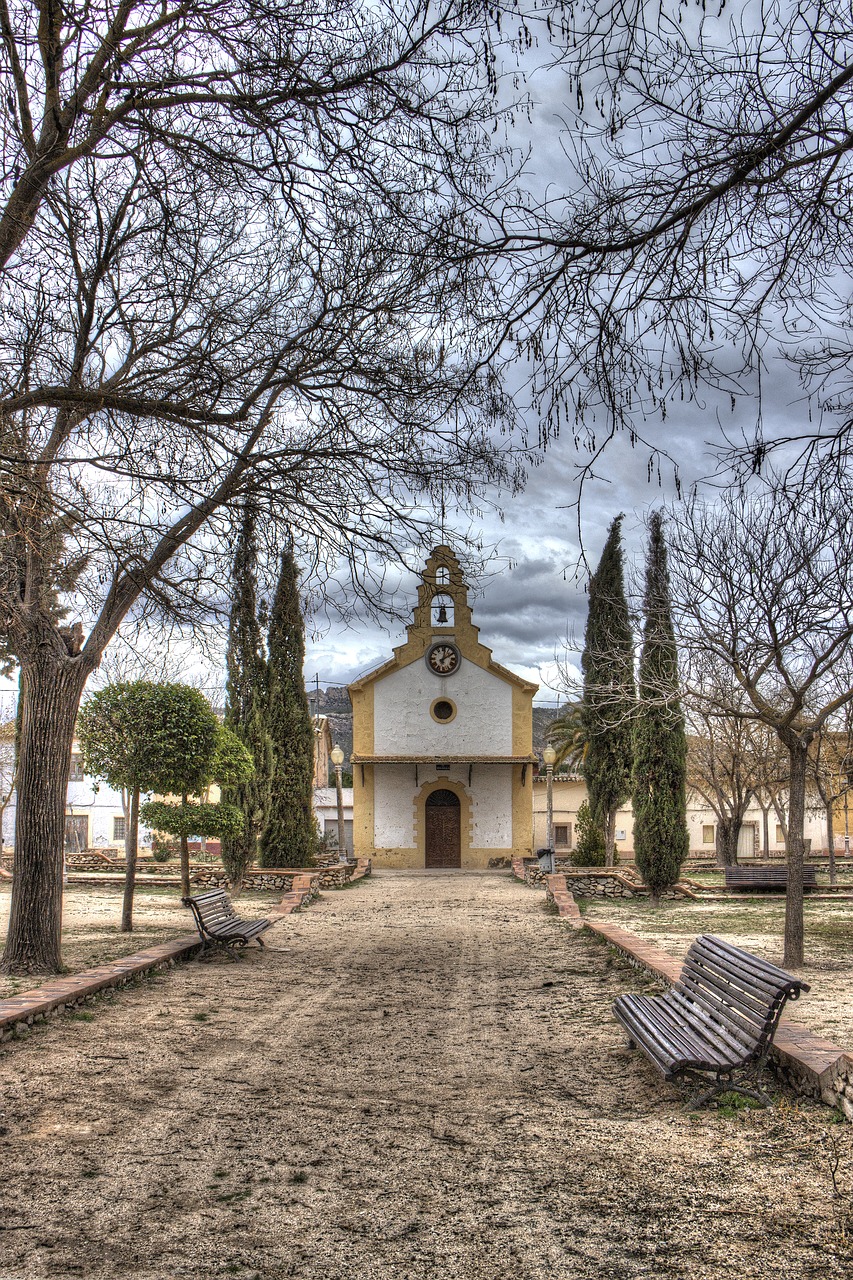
(531, 604)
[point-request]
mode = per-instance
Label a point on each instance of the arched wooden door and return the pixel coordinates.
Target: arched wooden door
(443, 830)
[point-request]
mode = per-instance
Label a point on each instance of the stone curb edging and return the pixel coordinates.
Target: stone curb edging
(597, 882)
(19, 1013)
(806, 1062)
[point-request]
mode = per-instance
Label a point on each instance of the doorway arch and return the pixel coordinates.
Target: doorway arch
(442, 829)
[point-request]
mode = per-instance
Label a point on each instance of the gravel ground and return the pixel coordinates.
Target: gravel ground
(420, 1079)
(758, 924)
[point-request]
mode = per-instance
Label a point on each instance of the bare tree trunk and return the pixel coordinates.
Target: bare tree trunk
(793, 956)
(125, 808)
(131, 846)
(728, 832)
(830, 836)
(185, 861)
(610, 839)
(51, 686)
(765, 813)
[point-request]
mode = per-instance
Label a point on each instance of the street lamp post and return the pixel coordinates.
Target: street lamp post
(549, 755)
(337, 758)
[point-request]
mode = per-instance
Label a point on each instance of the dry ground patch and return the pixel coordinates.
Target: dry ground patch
(90, 925)
(419, 1080)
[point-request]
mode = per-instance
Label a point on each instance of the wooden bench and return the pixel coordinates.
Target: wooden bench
(219, 923)
(718, 1020)
(767, 878)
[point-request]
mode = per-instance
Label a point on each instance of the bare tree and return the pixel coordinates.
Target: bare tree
(229, 263)
(707, 223)
(764, 585)
(720, 770)
(829, 765)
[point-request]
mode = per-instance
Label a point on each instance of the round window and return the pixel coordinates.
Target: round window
(442, 710)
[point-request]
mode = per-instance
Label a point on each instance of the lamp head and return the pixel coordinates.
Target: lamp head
(336, 756)
(549, 755)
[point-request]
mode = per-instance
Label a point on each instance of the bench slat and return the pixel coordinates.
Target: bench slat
(705, 985)
(718, 1018)
(744, 960)
(216, 919)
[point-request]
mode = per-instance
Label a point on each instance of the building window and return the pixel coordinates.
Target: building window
(562, 835)
(621, 834)
(119, 828)
(780, 834)
(443, 710)
(708, 834)
(76, 774)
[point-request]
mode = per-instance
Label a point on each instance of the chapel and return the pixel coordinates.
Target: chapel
(442, 757)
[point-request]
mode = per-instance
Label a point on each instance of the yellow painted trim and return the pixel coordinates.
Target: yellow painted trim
(362, 721)
(363, 829)
(522, 812)
(447, 719)
(522, 721)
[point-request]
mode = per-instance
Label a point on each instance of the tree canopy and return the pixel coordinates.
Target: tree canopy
(609, 691)
(661, 838)
(290, 836)
(152, 737)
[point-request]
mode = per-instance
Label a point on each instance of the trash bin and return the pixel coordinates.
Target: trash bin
(546, 860)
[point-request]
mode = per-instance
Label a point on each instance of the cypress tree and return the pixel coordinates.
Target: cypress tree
(660, 744)
(290, 838)
(609, 694)
(246, 704)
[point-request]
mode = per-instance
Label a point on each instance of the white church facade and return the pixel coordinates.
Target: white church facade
(442, 742)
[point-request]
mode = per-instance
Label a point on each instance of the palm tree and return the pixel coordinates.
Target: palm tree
(568, 735)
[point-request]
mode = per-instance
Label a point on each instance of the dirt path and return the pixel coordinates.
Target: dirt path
(421, 1080)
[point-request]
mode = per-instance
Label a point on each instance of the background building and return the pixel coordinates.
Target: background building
(442, 741)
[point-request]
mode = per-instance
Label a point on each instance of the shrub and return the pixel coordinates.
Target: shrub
(163, 850)
(589, 850)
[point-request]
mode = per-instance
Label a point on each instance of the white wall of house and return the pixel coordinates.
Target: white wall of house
(403, 724)
(569, 794)
(94, 809)
(393, 805)
(395, 802)
(326, 810)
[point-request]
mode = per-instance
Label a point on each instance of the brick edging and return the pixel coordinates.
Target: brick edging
(559, 895)
(18, 1013)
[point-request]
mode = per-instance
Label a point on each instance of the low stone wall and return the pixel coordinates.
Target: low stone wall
(211, 875)
(275, 878)
(592, 882)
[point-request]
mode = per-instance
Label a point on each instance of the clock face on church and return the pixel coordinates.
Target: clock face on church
(443, 658)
